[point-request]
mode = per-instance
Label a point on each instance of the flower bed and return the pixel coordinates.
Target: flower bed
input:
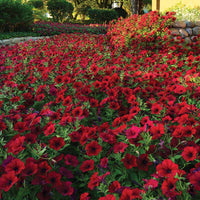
(52, 28)
(82, 119)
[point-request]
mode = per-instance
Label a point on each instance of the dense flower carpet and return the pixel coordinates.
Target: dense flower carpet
(83, 116)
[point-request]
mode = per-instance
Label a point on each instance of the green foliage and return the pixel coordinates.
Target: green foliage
(60, 9)
(8, 35)
(15, 16)
(121, 12)
(185, 12)
(37, 4)
(102, 15)
(81, 10)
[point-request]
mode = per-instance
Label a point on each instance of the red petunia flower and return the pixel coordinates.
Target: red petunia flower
(71, 160)
(131, 194)
(129, 161)
(108, 197)
(53, 178)
(65, 188)
(104, 162)
(67, 101)
(120, 147)
(7, 181)
(151, 183)
(96, 84)
(157, 131)
(134, 111)
(49, 129)
(39, 97)
(30, 138)
(169, 188)
(30, 169)
(94, 103)
(133, 132)
(114, 186)
(143, 162)
(189, 153)
(20, 127)
(93, 148)
(43, 168)
(167, 168)
(195, 180)
(15, 166)
(156, 108)
(126, 194)
(56, 143)
(84, 196)
(188, 131)
(2, 126)
(58, 79)
(15, 145)
(87, 165)
(77, 112)
(180, 89)
(94, 181)
(114, 105)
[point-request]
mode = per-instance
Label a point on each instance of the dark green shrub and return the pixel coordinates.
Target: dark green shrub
(15, 16)
(121, 12)
(37, 4)
(102, 15)
(60, 9)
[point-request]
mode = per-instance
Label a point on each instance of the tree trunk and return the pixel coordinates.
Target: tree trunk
(136, 6)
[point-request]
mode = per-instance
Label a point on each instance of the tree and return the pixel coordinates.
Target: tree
(136, 6)
(104, 3)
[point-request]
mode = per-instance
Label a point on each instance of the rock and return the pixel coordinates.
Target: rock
(16, 40)
(189, 31)
(29, 38)
(196, 31)
(187, 40)
(183, 33)
(174, 31)
(179, 24)
(6, 42)
(197, 23)
(189, 24)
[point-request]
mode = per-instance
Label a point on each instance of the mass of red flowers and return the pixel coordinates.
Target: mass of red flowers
(101, 117)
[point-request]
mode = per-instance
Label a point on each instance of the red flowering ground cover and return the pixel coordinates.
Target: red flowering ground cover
(55, 28)
(82, 119)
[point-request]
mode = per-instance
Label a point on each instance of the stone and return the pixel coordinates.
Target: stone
(6, 41)
(16, 40)
(187, 40)
(196, 31)
(174, 31)
(189, 24)
(189, 31)
(197, 23)
(183, 33)
(179, 24)
(28, 38)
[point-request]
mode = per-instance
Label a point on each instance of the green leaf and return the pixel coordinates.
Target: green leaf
(22, 193)
(177, 157)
